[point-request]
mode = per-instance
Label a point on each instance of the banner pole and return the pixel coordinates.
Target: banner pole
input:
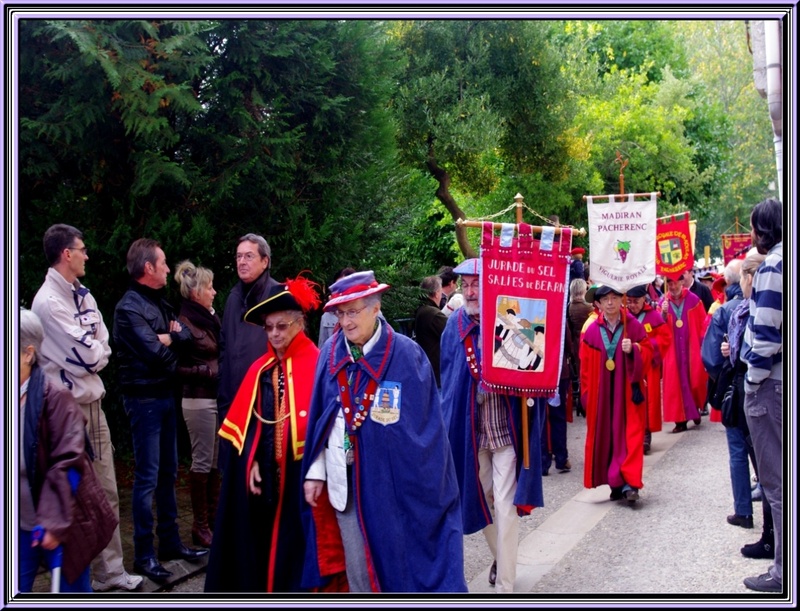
(534, 228)
(526, 460)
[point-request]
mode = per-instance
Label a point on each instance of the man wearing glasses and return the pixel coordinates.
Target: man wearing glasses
(376, 443)
(239, 343)
(259, 542)
(74, 351)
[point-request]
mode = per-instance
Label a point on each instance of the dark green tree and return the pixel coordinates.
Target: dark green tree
(479, 100)
(103, 105)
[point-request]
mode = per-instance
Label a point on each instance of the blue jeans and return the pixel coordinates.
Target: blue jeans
(30, 559)
(155, 449)
(739, 462)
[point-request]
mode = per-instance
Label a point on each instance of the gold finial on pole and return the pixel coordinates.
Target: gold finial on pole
(622, 163)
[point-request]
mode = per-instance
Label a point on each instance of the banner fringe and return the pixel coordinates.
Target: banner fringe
(519, 392)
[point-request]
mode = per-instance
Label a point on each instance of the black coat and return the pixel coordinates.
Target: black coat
(703, 292)
(429, 323)
(240, 343)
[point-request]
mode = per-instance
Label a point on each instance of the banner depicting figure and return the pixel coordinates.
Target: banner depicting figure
(735, 246)
(674, 245)
(524, 295)
(622, 239)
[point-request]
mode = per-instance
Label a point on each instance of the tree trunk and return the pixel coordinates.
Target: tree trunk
(444, 196)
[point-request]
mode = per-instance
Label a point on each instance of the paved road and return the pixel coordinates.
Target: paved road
(674, 543)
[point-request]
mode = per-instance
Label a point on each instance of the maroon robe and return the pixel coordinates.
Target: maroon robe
(614, 423)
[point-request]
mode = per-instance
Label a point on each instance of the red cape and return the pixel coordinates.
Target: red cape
(661, 338)
(693, 317)
(299, 364)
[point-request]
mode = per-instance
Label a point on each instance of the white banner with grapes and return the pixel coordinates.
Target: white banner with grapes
(622, 241)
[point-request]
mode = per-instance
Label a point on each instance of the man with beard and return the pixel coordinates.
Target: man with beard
(485, 431)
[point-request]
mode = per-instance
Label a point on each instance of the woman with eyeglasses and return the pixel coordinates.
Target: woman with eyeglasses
(258, 545)
(198, 370)
(377, 445)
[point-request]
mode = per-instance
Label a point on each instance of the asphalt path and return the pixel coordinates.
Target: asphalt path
(673, 546)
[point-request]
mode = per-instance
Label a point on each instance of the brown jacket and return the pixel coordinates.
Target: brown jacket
(83, 521)
(198, 364)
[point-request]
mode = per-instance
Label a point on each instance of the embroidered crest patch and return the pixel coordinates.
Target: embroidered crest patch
(386, 408)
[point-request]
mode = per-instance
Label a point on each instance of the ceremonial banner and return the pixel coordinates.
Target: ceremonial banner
(674, 246)
(735, 246)
(622, 239)
(523, 303)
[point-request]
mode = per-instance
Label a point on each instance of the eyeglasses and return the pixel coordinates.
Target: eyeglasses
(351, 314)
(84, 250)
(281, 326)
(247, 256)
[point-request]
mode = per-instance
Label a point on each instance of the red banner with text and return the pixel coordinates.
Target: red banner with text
(735, 246)
(673, 245)
(524, 291)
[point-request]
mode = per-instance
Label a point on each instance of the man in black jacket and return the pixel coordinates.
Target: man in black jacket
(698, 288)
(147, 335)
(240, 344)
(429, 322)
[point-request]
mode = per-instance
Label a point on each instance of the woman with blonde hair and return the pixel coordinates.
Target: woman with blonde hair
(198, 370)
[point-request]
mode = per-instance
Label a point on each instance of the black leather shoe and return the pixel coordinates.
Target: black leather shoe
(616, 493)
(152, 569)
(493, 573)
(182, 553)
(743, 521)
(631, 495)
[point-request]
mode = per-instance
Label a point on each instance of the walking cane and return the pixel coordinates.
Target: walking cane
(54, 560)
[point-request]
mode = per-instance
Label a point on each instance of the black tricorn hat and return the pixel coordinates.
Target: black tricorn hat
(298, 294)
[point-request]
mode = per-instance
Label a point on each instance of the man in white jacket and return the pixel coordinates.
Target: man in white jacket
(74, 350)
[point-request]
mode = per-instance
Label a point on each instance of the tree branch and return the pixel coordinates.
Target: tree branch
(444, 196)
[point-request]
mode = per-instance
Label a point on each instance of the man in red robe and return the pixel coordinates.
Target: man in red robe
(683, 365)
(615, 354)
(661, 337)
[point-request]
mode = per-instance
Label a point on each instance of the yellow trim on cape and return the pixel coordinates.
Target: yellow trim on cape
(236, 437)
